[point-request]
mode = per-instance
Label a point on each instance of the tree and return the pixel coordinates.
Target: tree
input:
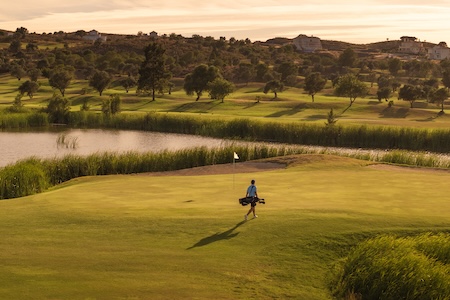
(153, 75)
(219, 88)
(58, 109)
(394, 66)
(286, 69)
(112, 105)
(314, 83)
(372, 77)
(331, 119)
(439, 97)
(446, 78)
(245, 72)
(17, 105)
(32, 47)
(15, 46)
(100, 81)
(384, 81)
(128, 83)
(347, 58)
(29, 87)
(21, 32)
(384, 93)
(261, 70)
(197, 81)
(34, 74)
(274, 86)
(410, 93)
(116, 104)
(18, 72)
(60, 79)
(352, 87)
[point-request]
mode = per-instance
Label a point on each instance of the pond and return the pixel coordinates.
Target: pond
(15, 146)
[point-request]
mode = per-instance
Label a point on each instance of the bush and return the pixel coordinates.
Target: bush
(396, 268)
(24, 178)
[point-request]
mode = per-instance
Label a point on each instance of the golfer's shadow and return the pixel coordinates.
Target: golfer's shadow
(226, 235)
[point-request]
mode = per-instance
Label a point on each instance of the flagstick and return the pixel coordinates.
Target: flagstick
(235, 156)
(234, 166)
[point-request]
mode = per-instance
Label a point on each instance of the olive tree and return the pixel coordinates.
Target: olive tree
(197, 81)
(314, 83)
(274, 86)
(29, 88)
(439, 97)
(350, 86)
(100, 81)
(219, 88)
(60, 79)
(410, 93)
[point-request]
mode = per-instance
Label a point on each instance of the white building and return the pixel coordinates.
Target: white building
(439, 52)
(94, 35)
(307, 44)
(410, 45)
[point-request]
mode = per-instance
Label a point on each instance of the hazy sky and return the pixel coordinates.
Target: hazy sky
(359, 21)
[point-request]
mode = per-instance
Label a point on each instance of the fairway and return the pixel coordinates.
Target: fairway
(183, 235)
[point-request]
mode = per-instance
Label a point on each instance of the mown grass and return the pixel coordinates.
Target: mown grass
(292, 105)
(182, 237)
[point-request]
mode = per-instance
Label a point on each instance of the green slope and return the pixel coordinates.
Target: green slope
(183, 237)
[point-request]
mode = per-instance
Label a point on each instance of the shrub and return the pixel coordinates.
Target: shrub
(24, 178)
(396, 268)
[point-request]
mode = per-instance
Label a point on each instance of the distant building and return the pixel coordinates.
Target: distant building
(439, 52)
(307, 44)
(410, 45)
(94, 35)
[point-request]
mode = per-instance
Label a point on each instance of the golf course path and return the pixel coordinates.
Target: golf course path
(243, 167)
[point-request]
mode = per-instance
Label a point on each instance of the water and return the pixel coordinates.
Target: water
(15, 146)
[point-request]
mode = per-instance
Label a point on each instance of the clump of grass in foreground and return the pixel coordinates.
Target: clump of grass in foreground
(396, 268)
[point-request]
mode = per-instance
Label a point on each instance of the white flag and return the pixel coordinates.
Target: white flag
(236, 156)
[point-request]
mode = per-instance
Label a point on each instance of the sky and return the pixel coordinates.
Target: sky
(359, 21)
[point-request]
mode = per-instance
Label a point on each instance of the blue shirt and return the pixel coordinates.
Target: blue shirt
(251, 191)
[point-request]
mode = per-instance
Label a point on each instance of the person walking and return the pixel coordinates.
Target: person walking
(253, 193)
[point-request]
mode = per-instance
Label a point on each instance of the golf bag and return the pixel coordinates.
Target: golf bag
(248, 200)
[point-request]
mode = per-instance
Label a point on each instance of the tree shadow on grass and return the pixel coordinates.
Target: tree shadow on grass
(288, 112)
(226, 235)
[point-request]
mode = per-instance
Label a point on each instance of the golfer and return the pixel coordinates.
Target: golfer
(252, 192)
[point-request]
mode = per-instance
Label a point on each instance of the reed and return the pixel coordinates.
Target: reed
(22, 120)
(23, 178)
(35, 175)
(372, 137)
(59, 170)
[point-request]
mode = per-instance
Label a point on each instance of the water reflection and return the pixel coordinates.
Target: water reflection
(15, 146)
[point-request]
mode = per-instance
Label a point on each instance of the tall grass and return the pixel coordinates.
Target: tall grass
(14, 182)
(35, 175)
(396, 268)
(23, 178)
(23, 120)
(372, 137)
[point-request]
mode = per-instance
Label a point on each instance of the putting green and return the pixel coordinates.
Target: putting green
(183, 237)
